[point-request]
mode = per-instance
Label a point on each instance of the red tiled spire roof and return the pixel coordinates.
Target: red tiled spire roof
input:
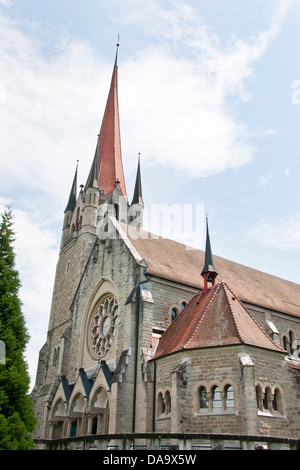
(215, 319)
(109, 142)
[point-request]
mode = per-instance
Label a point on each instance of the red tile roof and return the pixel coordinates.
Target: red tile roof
(109, 143)
(215, 319)
(175, 261)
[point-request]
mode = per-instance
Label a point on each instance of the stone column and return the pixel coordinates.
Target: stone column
(248, 395)
(177, 382)
(175, 401)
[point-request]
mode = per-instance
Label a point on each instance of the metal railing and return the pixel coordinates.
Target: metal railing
(168, 442)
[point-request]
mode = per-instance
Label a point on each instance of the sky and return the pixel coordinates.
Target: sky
(209, 95)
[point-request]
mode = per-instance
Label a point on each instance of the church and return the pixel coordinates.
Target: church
(147, 337)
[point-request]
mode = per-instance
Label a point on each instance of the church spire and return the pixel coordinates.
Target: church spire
(73, 194)
(209, 271)
(94, 173)
(109, 143)
(137, 195)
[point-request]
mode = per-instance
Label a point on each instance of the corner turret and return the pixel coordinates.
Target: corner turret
(69, 210)
(135, 214)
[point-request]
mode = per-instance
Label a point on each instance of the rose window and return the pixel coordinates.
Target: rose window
(103, 326)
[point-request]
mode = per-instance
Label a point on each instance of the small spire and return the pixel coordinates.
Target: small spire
(94, 173)
(209, 271)
(137, 196)
(73, 194)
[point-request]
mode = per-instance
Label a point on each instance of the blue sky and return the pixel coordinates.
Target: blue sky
(209, 94)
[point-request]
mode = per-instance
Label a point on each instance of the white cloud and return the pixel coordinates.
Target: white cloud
(6, 3)
(178, 118)
(264, 133)
(50, 100)
(50, 116)
(280, 234)
(198, 133)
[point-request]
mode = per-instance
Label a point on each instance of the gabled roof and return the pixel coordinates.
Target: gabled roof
(215, 319)
(177, 262)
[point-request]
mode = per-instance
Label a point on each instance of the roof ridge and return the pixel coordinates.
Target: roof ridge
(231, 310)
(216, 289)
(251, 316)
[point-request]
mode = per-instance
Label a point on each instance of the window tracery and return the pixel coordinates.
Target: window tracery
(102, 327)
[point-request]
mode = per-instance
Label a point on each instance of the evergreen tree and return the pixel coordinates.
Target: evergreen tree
(16, 410)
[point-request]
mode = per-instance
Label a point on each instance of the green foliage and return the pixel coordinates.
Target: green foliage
(16, 411)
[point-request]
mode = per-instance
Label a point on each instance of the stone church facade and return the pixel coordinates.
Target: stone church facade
(145, 336)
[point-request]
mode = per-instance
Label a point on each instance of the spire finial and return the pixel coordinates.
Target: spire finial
(118, 45)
